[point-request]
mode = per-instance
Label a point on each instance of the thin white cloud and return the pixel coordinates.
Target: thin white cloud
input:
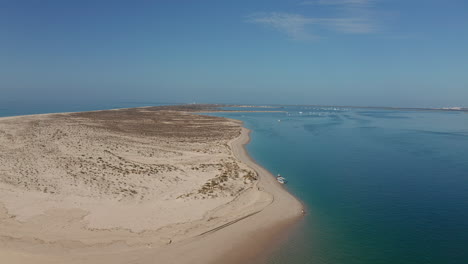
(293, 25)
(351, 25)
(346, 16)
(337, 2)
(300, 27)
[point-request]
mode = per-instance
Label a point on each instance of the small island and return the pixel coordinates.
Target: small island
(141, 185)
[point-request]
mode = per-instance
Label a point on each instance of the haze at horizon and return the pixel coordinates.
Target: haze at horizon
(335, 52)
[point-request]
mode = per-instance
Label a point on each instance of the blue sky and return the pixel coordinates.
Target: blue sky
(340, 52)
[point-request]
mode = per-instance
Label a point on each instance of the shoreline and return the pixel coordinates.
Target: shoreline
(252, 238)
(285, 203)
(242, 230)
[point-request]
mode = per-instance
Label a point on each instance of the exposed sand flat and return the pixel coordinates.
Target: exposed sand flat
(147, 185)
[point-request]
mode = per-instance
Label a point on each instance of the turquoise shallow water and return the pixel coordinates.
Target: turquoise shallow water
(381, 186)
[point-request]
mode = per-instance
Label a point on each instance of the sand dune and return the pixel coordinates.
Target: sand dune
(147, 185)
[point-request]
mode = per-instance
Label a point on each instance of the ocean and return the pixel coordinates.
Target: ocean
(380, 186)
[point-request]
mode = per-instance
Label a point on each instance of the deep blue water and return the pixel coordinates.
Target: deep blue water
(381, 186)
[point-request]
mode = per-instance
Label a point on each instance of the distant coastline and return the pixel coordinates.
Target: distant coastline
(199, 108)
(455, 109)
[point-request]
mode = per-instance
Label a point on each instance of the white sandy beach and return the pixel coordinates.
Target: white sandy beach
(142, 185)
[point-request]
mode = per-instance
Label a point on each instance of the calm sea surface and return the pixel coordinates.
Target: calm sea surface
(380, 186)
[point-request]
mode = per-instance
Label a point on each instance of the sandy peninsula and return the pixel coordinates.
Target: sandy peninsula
(141, 185)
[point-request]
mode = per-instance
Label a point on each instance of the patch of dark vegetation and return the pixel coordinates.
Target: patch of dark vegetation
(174, 122)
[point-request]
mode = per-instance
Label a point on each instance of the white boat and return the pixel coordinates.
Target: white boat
(281, 179)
